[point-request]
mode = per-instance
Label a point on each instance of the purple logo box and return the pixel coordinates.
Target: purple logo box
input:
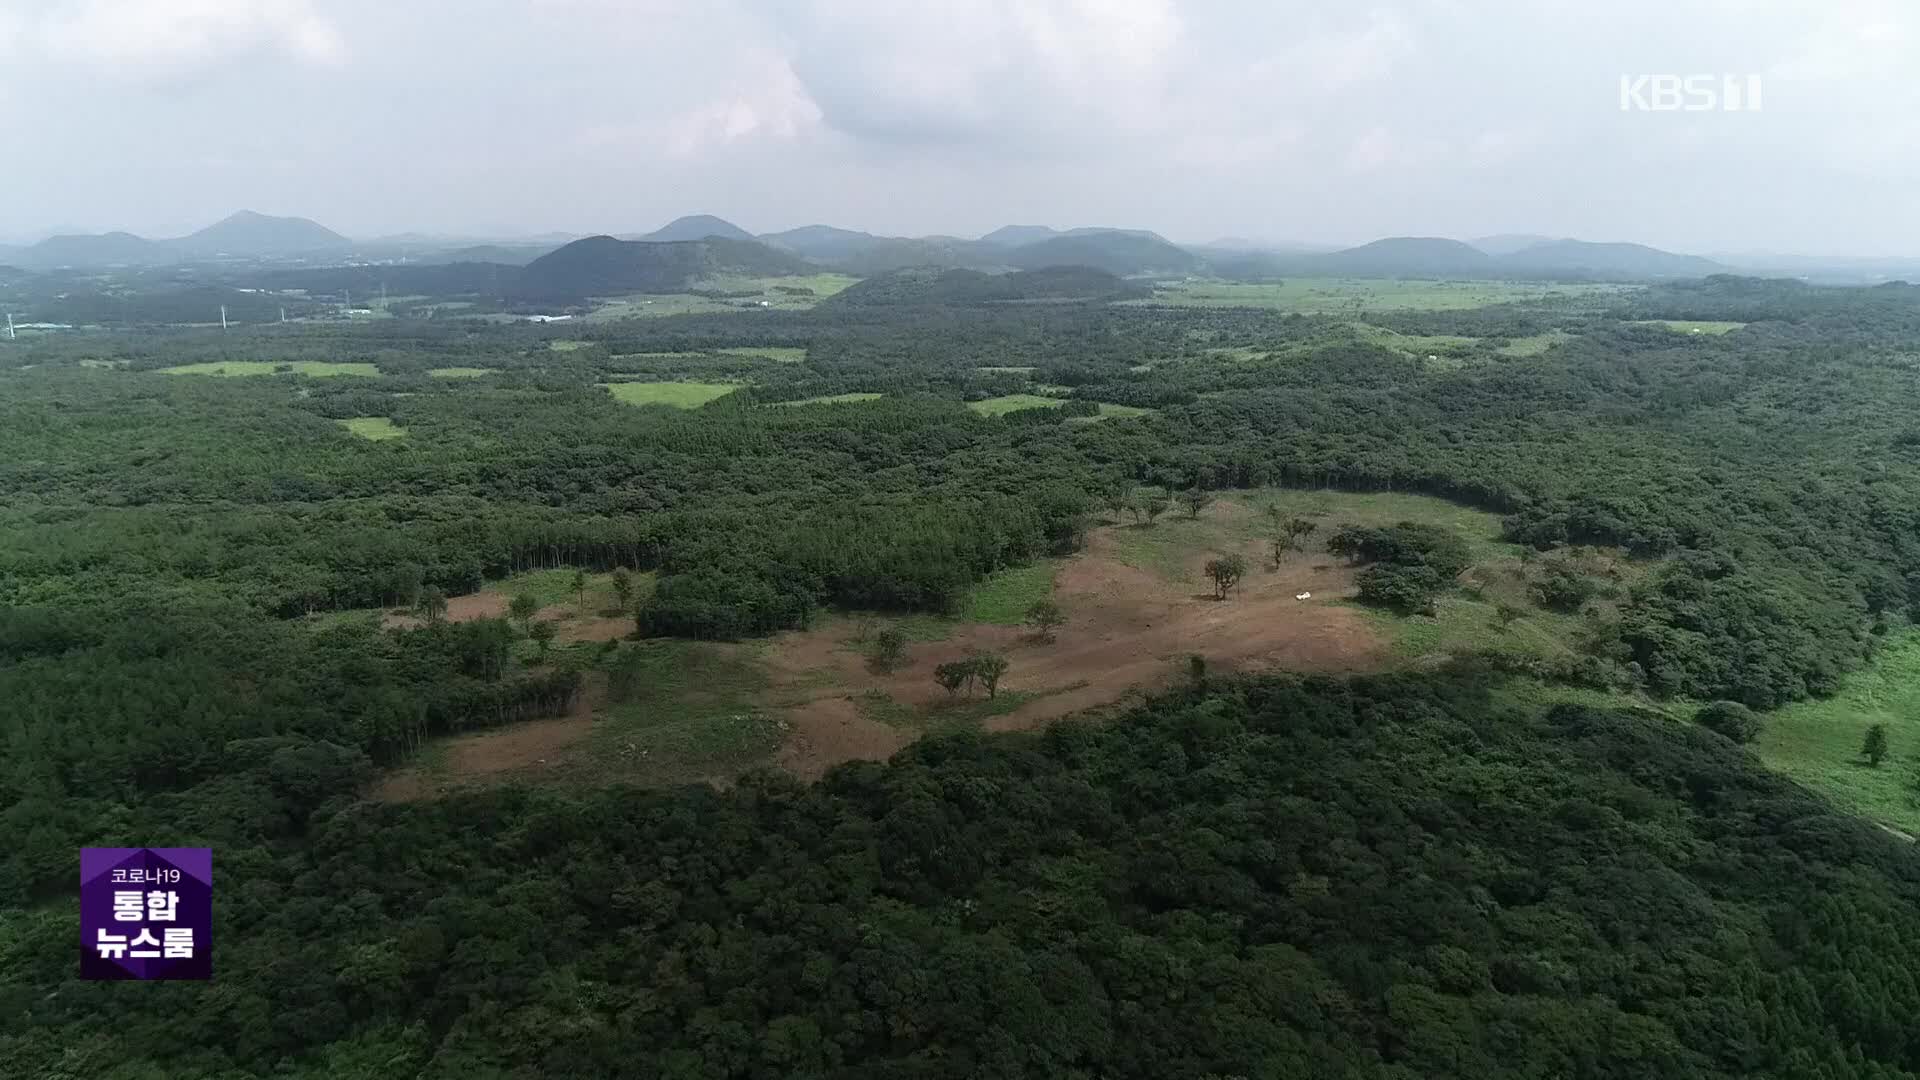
(146, 913)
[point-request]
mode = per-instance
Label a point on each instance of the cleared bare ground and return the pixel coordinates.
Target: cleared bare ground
(1129, 630)
(1137, 603)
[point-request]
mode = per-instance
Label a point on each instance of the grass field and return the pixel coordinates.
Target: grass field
(764, 294)
(694, 713)
(1689, 326)
(459, 372)
(833, 399)
(783, 353)
(821, 285)
(1000, 406)
(1534, 345)
(1818, 742)
(376, 428)
(1004, 597)
(681, 395)
(567, 345)
(318, 368)
(1356, 295)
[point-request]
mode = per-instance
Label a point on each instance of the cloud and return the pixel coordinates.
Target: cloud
(765, 102)
(170, 38)
(978, 71)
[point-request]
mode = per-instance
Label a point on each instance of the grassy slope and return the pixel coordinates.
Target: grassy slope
(1818, 742)
(376, 428)
(266, 367)
(678, 394)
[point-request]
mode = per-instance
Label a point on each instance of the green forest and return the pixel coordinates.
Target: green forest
(1507, 862)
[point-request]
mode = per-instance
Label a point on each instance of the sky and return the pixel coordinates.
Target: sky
(1319, 121)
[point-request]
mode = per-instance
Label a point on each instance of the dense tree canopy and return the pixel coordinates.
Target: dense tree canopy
(1396, 877)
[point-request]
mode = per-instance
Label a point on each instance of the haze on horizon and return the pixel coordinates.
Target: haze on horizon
(1278, 121)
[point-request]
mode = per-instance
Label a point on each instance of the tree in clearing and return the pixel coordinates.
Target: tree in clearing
(889, 648)
(1287, 535)
(580, 589)
(1044, 616)
(989, 668)
(953, 675)
(1155, 505)
(542, 634)
(1225, 572)
(1875, 746)
(623, 588)
(1195, 500)
(523, 608)
(432, 605)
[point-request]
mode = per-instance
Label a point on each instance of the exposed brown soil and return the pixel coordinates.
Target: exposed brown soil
(525, 747)
(1128, 630)
(480, 605)
(829, 730)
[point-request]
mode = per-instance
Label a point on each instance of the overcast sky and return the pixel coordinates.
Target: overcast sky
(1310, 120)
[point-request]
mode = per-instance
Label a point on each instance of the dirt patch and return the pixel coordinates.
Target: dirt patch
(589, 627)
(526, 747)
(1129, 630)
(831, 730)
(480, 605)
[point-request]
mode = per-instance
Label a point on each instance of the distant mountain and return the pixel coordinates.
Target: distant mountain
(696, 227)
(502, 254)
(1508, 243)
(255, 235)
(928, 285)
(823, 242)
(604, 266)
(1102, 230)
(1113, 250)
(1609, 260)
(1405, 255)
(889, 253)
(864, 254)
(102, 250)
(1018, 235)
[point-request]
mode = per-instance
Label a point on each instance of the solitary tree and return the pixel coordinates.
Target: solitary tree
(523, 608)
(1875, 746)
(988, 668)
(1225, 572)
(432, 605)
(1299, 529)
(623, 587)
(1154, 505)
(888, 649)
(953, 675)
(580, 588)
(1044, 616)
(542, 634)
(1195, 500)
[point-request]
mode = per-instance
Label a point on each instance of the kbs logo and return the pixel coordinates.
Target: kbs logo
(1689, 93)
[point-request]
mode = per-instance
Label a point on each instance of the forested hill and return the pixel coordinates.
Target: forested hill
(603, 266)
(927, 285)
(1390, 879)
(1449, 873)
